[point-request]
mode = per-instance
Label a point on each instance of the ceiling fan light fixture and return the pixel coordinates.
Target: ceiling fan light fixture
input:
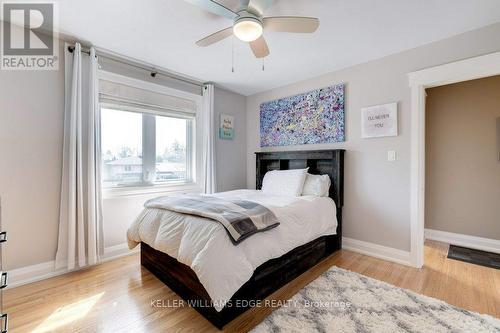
(247, 29)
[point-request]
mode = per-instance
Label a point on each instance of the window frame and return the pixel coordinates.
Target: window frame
(149, 145)
(193, 141)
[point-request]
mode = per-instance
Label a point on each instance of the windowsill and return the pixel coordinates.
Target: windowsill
(172, 188)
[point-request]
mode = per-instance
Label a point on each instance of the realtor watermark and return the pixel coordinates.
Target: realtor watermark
(29, 39)
(267, 303)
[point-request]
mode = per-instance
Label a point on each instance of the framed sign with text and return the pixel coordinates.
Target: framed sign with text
(379, 121)
(226, 128)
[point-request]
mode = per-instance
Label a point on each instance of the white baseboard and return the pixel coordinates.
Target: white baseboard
(117, 251)
(24, 275)
(473, 242)
(29, 274)
(377, 251)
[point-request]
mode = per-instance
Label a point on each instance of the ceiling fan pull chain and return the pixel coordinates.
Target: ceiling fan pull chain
(263, 65)
(232, 55)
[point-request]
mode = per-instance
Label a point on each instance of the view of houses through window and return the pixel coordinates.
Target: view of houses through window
(143, 149)
(170, 157)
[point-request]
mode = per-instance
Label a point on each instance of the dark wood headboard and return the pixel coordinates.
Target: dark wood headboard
(320, 162)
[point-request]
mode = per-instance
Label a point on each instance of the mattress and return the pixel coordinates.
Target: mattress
(204, 245)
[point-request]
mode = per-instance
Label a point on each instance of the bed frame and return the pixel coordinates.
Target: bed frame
(275, 273)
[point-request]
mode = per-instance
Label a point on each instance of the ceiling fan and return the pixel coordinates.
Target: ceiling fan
(249, 24)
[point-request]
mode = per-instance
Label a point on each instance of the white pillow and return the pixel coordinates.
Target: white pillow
(284, 182)
(318, 185)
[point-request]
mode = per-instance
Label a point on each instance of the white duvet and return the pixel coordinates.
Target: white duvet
(204, 245)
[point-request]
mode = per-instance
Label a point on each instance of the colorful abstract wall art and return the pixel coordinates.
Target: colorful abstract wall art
(308, 118)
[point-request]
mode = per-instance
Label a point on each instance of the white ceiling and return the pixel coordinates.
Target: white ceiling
(163, 32)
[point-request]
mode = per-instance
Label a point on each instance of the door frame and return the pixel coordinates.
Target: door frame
(459, 71)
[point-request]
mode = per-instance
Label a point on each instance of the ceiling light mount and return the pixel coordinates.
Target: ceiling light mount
(247, 27)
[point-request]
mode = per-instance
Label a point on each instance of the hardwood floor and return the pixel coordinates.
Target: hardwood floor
(121, 296)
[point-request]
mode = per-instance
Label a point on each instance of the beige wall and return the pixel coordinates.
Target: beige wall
(31, 131)
(377, 192)
(462, 166)
(230, 155)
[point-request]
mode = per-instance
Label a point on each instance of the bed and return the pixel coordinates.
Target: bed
(273, 273)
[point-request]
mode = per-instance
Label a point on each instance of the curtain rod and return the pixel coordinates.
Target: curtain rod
(153, 71)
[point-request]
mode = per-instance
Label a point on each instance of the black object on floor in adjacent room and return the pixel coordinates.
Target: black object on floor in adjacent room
(472, 256)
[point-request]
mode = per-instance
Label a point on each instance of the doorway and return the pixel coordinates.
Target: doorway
(464, 70)
(462, 188)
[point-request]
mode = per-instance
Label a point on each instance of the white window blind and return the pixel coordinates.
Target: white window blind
(121, 94)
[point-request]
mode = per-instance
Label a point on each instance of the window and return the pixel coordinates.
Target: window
(150, 140)
(142, 147)
(121, 147)
(171, 153)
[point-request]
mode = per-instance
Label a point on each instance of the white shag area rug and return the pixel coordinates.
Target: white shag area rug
(344, 301)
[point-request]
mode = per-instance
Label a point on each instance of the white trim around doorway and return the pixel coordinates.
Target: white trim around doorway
(463, 70)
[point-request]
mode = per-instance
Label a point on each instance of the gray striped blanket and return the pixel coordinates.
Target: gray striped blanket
(240, 218)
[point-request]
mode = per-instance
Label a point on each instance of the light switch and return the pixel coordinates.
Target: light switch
(391, 155)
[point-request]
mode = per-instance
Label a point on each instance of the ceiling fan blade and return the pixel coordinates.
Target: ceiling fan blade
(215, 37)
(291, 24)
(214, 7)
(244, 4)
(259, 47)
(259, 6)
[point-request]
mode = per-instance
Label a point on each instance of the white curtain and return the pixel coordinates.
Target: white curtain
(208, 162)
(80, 228)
